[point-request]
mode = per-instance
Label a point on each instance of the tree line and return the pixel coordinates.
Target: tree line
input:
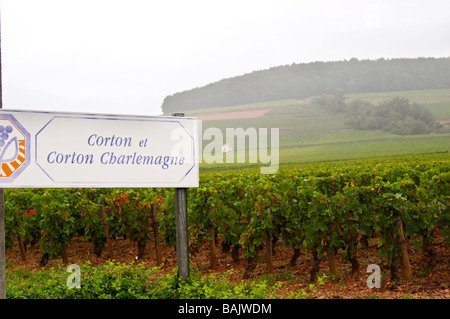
(297, 81)
(397, 115)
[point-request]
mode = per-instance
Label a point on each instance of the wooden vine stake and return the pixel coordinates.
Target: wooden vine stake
(404, 262)
(182, 229)
(156, 235)
(21, 247)
(269, 263)
(105, 225)
(212, 243)
(64, 255)
(331, 254)
(332, 261)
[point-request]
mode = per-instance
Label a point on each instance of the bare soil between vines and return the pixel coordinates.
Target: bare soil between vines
(423, 285)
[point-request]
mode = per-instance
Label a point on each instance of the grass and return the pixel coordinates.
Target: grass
(440, 110)
(309, 134)
(115, 280)
(335, 153)
(366, 149)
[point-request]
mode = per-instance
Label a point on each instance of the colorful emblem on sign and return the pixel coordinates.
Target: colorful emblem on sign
(14, 148)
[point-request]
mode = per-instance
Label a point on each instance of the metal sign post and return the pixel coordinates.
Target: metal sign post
(2, 209)
(181, 224)
(2, 247)
(182, 235)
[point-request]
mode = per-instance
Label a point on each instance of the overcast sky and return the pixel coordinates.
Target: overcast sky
(126, 56)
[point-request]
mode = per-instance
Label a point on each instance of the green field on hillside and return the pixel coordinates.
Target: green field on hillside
(438, 101)
(308, 134)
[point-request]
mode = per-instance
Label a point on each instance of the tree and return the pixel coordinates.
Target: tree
(396, 116)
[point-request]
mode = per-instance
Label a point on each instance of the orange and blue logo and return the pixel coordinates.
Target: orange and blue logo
(14, 148)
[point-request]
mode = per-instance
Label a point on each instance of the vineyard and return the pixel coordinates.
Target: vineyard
(322, 210)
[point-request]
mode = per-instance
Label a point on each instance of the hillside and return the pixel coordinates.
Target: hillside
(307, 133)
(299, 81)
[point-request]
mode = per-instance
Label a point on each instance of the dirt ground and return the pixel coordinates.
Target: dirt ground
(434, 285)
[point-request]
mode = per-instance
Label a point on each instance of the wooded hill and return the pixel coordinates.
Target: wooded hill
(299, 81)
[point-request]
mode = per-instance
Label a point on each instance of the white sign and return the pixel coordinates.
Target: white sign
(47, 149)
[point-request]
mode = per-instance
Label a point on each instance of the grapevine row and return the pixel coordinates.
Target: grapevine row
(326, 209)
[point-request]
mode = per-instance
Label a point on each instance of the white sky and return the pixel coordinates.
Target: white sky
(125, 56)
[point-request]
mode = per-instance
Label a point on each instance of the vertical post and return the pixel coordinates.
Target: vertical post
(331, 253)
(182, 238)
(181, 224)
(212, 243)
(21, 247)
(269, 263)
(2, 247)
(105, 226)
(2, 208)
(404, 261)
(156, 235)
(65, 256)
